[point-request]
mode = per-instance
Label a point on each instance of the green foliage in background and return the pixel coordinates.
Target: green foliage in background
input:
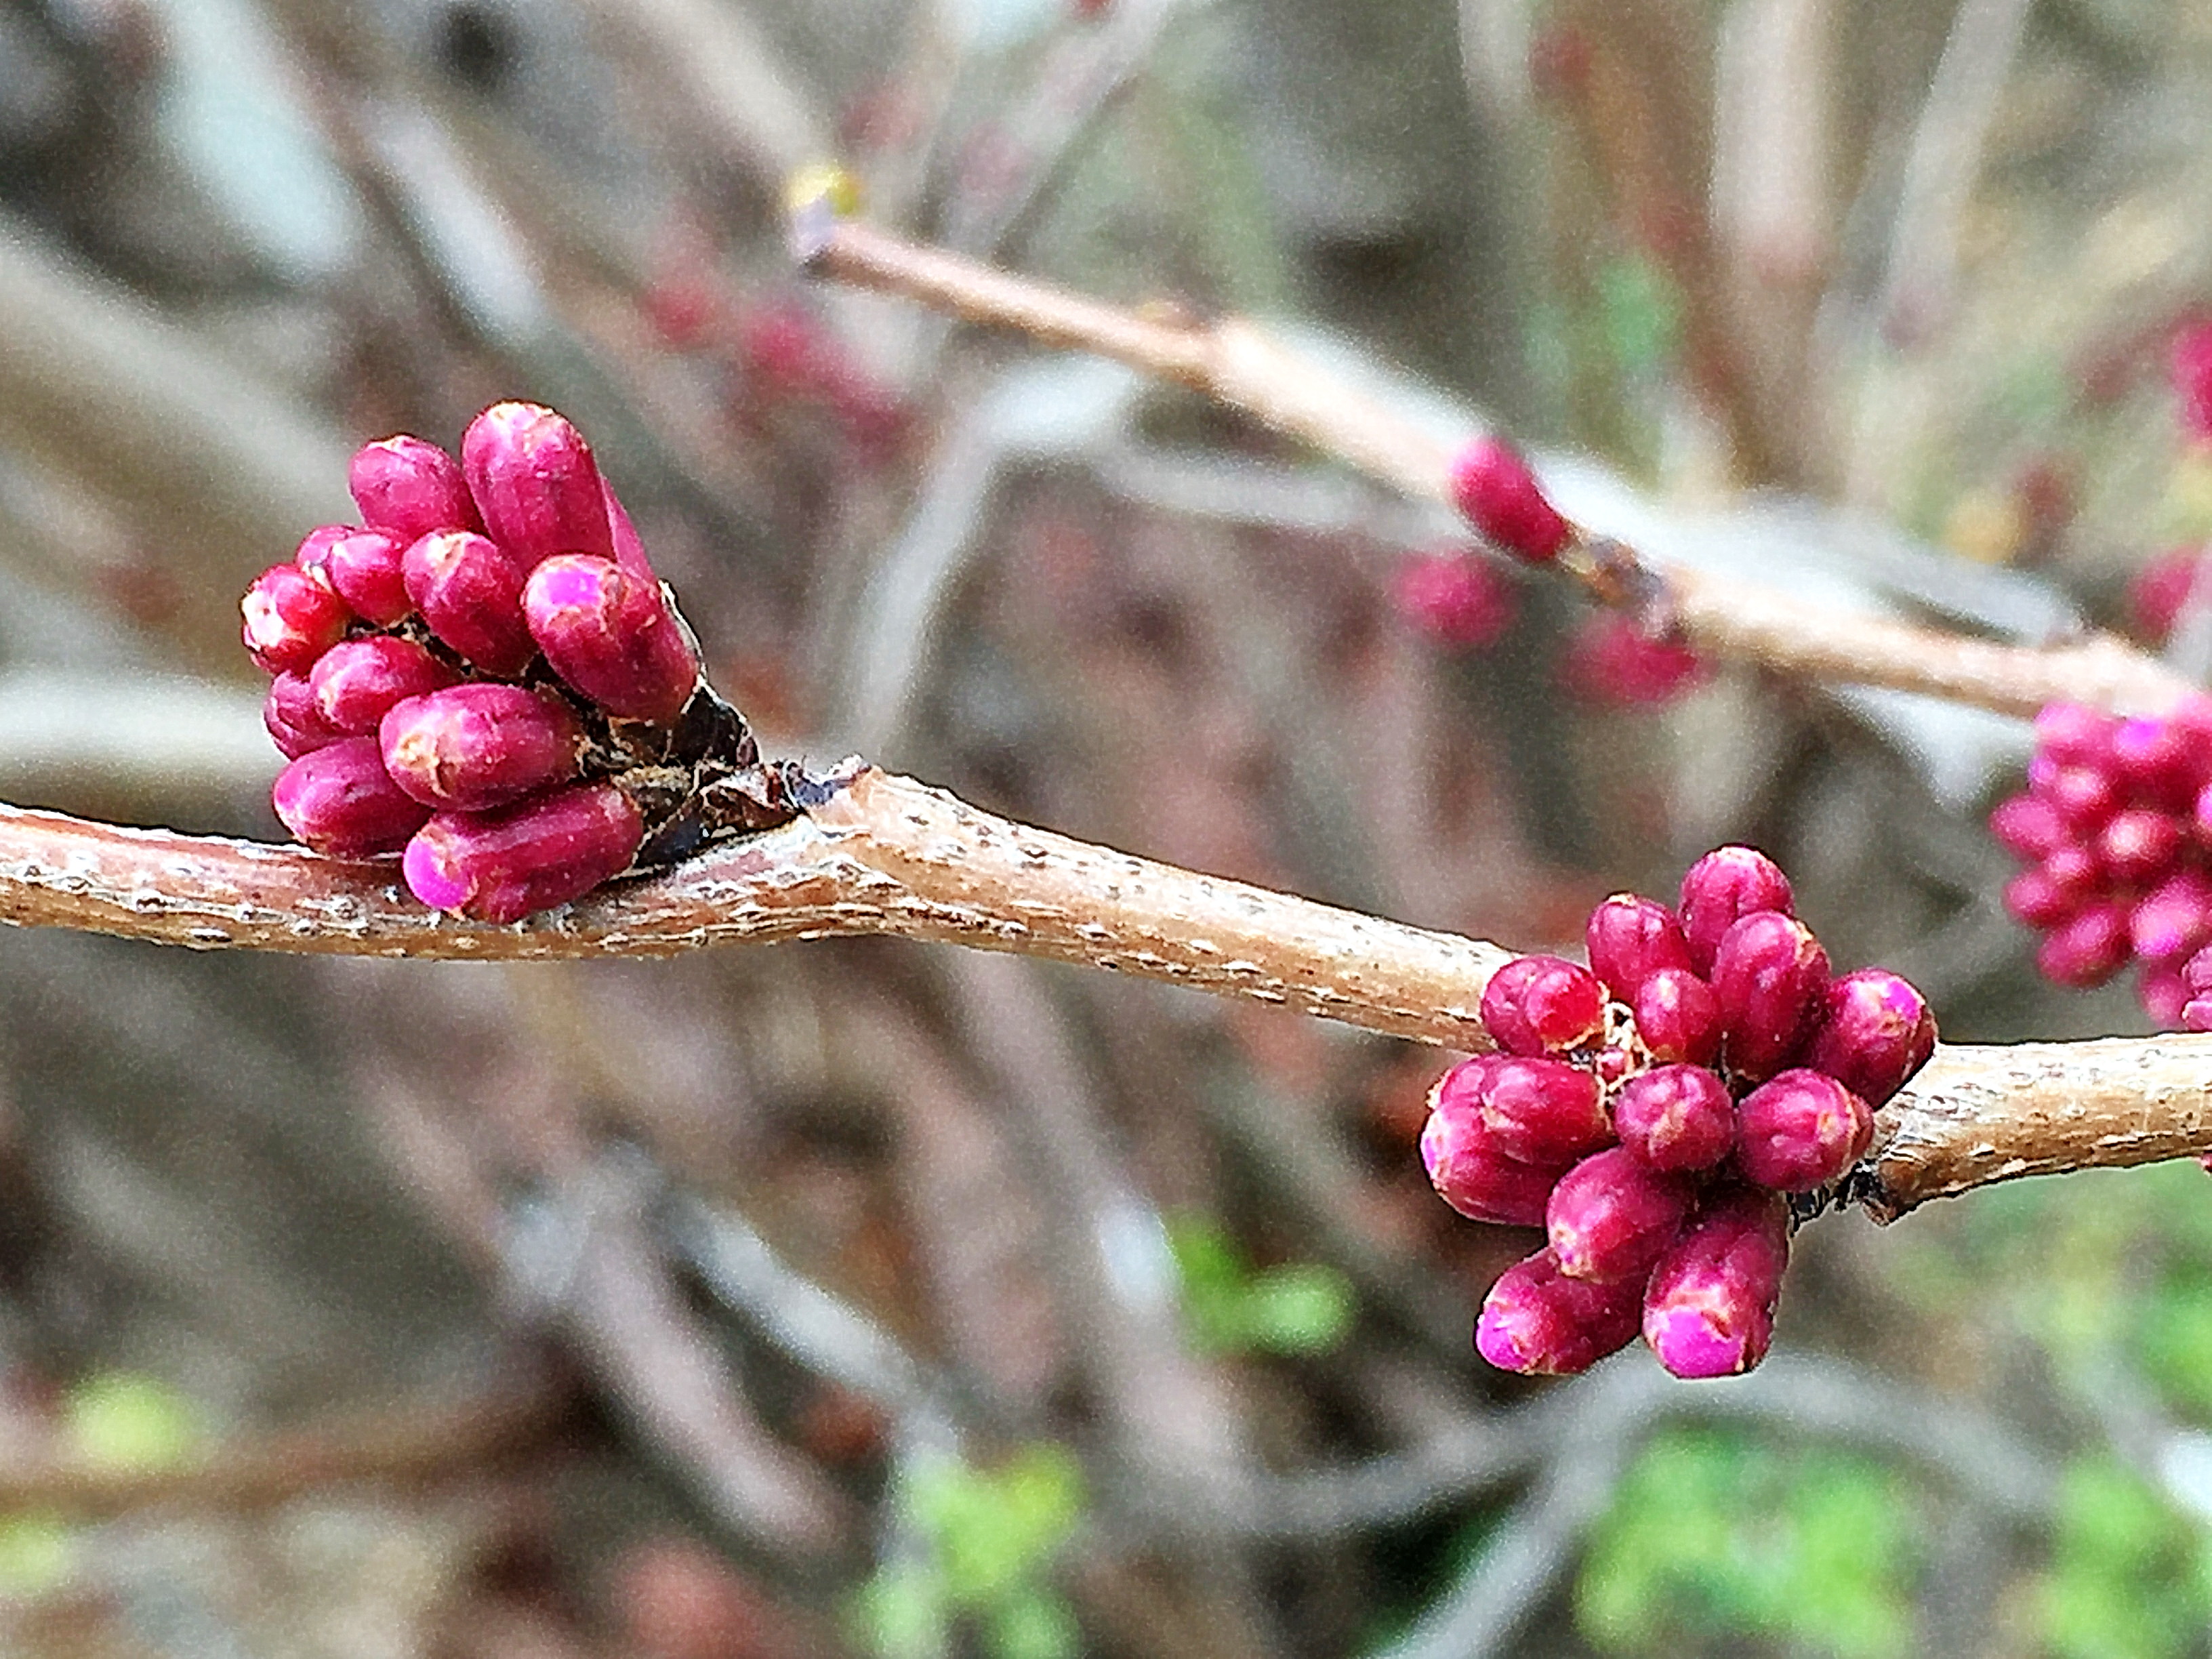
(2128, 1576)
(1230, 1307)
(1716, 1534)
(987, 1539)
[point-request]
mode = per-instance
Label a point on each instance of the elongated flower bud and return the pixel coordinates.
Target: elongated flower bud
(2087, 948)
(1544, 1112)
(1612, 1214)
(1874, 1033)
(2139, 843)
(1679, 1017)
(534, 480)
(1542, 1004)
(411, 488)
(1494, 488)
(543, 852)
(470, 592)
(365, 567)
(471, 748)
(2028, 827)
(609, 635)
(1800, 1130)
(292, 616)
(1539, 1321)
(1472, 1175)
(356, 681)
(1675, 1117)
(294, 724)
(1725, 886)
(1769, 973)
(2074, 734)
(1630, 938)
(630, 548)
(314, 552)
(340, 801)
(1709, 1306)
(2174, 920)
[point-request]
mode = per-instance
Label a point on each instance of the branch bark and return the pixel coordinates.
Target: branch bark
(1235, 363)
(879, 853)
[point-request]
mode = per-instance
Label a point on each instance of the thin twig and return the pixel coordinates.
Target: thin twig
(877, 853)
(1234, 362)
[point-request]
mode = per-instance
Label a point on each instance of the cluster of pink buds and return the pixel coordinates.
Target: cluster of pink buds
(486, 676)
(1652, 1112)
(1615, 659)
(2115, 827)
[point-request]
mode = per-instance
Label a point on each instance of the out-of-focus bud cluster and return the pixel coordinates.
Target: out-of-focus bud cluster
(2115, 829)
(1652, 1111)
(486, 675)
(1613, 661)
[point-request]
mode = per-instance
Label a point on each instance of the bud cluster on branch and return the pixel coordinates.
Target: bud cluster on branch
(487, 674)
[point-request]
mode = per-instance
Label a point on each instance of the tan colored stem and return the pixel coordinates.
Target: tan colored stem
(883, 854)
(1979, 1114)
(1234, 362)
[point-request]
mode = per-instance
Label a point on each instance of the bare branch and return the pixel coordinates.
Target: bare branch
(1235, 363)
(879, 853)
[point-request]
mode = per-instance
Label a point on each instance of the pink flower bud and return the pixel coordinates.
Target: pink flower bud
(1613, 663)
(296, 726)
(1471, 1175)
(609, 635)
(314, 552)
(1539, 1321)
(2138, 844)
(1611, 1215)
(2028, 827)
(1874, 1033)
(1542, 1004)
(1496, 492)
(2163, 996)
(356, 681)
(630, 548)
(1454, 598)
(366, 568)
(534, 479)
(2191, 370)
(1544, 1112)
(2033, 897)
(540, 853)
(2074, 734)
(1727, 884)
(1679, 1017)
(1675, 1117)
(470, 592)
(2174, 921)
(1709, 1306)
(411, 488)
(1768, 975)
(292, 616)
(2084, 796)
(2087, 948)
(2197, 973)
(471, 748)
(1630, 937)
(2196, 1016)
(2160, 588)
(340, 801)
(2151, 757)
(1800, 1130)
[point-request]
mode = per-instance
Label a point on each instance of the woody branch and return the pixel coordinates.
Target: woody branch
(877, 853)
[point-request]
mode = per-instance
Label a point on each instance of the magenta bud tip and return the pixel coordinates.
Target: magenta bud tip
(1630, 938)
(1725, 886)
(411, 488)
(1543, 1005)
(609, 635)
(292, 616)
(534, 482)
(1494, 490)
